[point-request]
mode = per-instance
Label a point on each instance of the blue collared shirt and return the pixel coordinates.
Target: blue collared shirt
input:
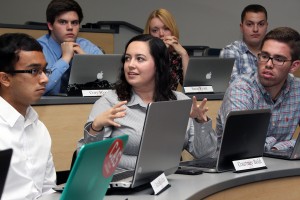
(59, 67)
(245, 60)
(246, 93)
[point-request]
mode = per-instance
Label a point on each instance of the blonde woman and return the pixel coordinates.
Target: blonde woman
(161, 24)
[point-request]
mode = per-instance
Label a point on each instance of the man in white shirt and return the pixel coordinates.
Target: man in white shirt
(23, 78)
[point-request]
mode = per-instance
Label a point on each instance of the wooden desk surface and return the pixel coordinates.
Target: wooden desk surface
(65, 124)
(103, 40)
(297, 73)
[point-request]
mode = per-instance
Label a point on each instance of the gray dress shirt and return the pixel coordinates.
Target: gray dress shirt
(200, 138)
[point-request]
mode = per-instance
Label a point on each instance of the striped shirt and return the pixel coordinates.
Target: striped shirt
(247, 93)
(245, 60)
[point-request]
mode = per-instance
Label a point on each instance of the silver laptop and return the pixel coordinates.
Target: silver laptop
(289, 154)
(161, 144)
(86, 68)
(243, 137)
(93, 73)
(213, 72)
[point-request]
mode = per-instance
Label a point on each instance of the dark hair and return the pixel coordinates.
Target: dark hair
(10, 46)
(288, 36)
(57, 7)
(256, 8)
(159, 52)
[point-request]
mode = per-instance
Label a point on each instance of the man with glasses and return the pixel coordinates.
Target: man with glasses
(253, 27)
(271, 87)
(59, 46)
(23, 79)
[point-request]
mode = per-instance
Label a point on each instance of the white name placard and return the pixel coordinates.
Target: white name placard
(93, 93)
(159, 183)
(198, 89)
(249, 164)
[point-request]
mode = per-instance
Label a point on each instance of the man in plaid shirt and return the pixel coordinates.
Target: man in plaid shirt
(253, 27)
(270, 87)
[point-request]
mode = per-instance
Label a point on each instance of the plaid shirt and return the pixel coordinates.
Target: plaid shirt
(247, 93)
(245, 61)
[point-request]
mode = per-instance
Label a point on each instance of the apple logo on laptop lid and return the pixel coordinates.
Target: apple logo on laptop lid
(208, 75)
(100, 75)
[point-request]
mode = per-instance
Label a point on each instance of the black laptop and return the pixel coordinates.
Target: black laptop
(5, 157)
(243, 137)
(287, 154)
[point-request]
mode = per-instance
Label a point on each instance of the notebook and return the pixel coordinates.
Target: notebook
(5, 157)
(243, 137)
(289, 154)
(212, 74)
(161, 144)
(93, 169)
(93, 72)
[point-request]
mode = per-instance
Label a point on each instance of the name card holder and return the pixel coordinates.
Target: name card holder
(160, 184)
(94, 93)
(250, 164)
(199, 89)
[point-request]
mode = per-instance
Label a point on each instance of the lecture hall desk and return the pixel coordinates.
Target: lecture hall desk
(280, 181)
(65, 117)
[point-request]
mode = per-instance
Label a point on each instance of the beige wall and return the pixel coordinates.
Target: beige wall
(214, 23)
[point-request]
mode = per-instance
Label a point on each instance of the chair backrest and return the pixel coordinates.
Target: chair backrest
(212, 52)
(195, 50)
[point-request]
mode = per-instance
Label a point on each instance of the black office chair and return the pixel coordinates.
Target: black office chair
(212, 52)
(33, 23)
(195, 50)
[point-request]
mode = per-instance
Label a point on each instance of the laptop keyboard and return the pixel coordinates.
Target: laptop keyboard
(122, 175)
(280, 153)
(203, 163)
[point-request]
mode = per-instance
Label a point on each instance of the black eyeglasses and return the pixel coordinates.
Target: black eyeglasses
(276, 60)
(33, 71)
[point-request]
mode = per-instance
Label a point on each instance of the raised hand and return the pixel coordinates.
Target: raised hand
(199, 111)
(107, 118)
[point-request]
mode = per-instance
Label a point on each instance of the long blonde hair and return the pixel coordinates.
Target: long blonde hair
(167, 19)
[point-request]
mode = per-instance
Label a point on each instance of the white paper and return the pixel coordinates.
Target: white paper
(251, 163)
(159, 183)
(93, 93)
(198, 89)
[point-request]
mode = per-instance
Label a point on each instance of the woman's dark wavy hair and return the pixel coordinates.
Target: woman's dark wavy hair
(159, 52)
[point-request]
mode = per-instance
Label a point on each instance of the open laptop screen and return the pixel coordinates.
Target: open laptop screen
(208, 71)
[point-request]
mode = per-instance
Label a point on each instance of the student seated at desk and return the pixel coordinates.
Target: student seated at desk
(253, 26)
(162, 24)
(145, 78)
(271, 87)
(59, 46)
(23, 78)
